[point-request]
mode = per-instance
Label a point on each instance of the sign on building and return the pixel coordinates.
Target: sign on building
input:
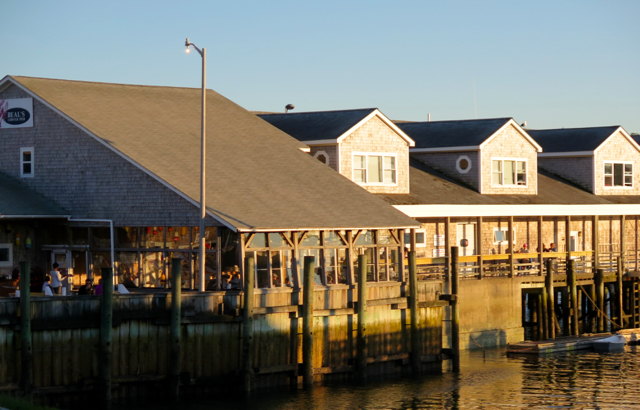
(16, 113)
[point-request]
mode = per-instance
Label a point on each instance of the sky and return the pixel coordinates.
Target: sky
(554, 64)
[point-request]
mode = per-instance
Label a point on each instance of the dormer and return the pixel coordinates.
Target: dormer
(602, 160)
(492, 156)
(362, 145)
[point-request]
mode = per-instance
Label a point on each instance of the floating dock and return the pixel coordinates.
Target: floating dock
(566, 344)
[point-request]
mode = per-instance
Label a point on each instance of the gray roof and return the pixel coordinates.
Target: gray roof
(320, 125)
(257, 176)
(571, 139)
(428, 186)
(440, 134)
(17, 201)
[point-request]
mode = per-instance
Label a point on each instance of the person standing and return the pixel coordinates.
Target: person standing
(56, 278)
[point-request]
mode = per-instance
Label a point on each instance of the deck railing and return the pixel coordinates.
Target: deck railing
(500, 265)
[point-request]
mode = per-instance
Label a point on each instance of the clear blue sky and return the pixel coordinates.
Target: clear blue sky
(551, 63)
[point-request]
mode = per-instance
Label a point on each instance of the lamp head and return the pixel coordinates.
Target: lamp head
(186, 44)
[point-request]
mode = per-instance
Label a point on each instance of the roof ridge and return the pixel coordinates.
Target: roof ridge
(18, 77)
(577, 128)
(319, 112)
(443, 121)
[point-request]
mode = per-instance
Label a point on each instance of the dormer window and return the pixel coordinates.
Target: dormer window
(618, 174)
(374, 169)
(509, 172)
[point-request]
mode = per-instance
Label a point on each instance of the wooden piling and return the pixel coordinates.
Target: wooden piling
(593, 308)
(551, 314)
(106, 335)
(572, 285)
(542, 316)
(362, 350)
(619, 299)
(599, 284)
(455, 313)
(25, 328)
(307, 321)
(176, 298)
(564, 300)
(413, 307)
(247, 323)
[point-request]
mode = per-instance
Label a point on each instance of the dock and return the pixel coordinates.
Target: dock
(566, 344)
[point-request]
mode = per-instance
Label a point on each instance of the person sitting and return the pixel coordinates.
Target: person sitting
(552, 248)
(98, 289)
(46, 284)
(235, 281)
(87, 288)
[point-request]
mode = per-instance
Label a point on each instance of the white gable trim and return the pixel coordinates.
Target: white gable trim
(8, 78)
(500, 210)
(320, 142)
(624, 134)
(519, 129)
(383, 118)
(566, 154)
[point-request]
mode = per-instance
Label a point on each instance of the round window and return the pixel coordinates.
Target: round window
(463, 164)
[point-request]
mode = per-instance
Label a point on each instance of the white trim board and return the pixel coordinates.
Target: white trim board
(499, 210)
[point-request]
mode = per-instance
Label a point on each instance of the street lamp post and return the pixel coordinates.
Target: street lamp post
(203, 140)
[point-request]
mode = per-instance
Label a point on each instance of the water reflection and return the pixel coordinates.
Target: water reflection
(576, 380)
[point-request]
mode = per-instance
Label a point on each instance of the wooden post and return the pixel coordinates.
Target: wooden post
(619, 299)
(413, 307)
(551, 314)
(247, 323)
(106, 334)
(599, 284)
(362, 318)
(593, 308)
(511, 245)
(542, 316)
(573, 298)
(479, 249)
(595, 232)
(307, 321)
(566, 329)
(176, 299)
(540, 249)
(455, 310)
(25, 329)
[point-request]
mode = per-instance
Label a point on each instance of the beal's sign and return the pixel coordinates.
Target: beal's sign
(16, 113)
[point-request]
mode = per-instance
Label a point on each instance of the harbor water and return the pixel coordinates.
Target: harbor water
(487, 380)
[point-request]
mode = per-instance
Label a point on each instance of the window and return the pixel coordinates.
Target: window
(322, 156)
(501, 236)
(618, 174)
(463, 164)
(6, 254)
(374, 169)
(26, 162)
(421, 238)
(509, 172)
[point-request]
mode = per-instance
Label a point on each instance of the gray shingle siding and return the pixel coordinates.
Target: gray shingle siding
(86, 178)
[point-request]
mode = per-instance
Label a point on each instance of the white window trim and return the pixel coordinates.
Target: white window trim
(422, 244)
(464, 171)
(317, 154)
(22, 174)
(375, 154)
(8, 263)
(526, 167)
(504, 242)
(623, 163)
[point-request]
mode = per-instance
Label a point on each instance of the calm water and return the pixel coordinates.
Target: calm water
(584, 380)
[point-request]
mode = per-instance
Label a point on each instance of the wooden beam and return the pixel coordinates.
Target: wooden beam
(455, 310)
(361, 346)
(307, 321)
(413, 301)
(176, 299)
(247, 326)
(540, 249)
(595, 233)
(511, 246)
(479, 246)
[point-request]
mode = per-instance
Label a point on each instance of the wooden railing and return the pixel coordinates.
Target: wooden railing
(524, 264)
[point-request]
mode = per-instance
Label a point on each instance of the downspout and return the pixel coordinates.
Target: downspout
(113, 253)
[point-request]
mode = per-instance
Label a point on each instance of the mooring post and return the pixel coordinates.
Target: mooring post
(542, 317)
(550, 312)
(599, 283)
(619, 295)
(593, 308)
(106, 335)
(25, 325)
(247, 324)
(566, 310)
(572, 283)
(413, 307)
(176, 299)
(455, 311)
(307, 321)
(362, 317)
